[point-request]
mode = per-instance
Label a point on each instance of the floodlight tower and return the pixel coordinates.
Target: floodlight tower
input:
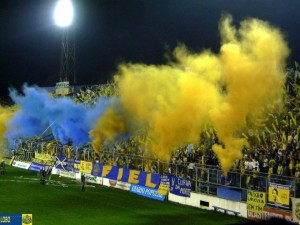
(63, 16)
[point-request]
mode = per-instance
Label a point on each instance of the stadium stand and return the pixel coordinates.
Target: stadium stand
(272, 156)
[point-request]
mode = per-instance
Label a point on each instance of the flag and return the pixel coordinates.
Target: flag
(283, 136)
(274, 128)
(297, 66)
(267, 129)
(245, 136)
(264, 136)
(296, 209)
(293, 118)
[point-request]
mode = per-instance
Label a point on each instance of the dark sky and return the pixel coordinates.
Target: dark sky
(112, 31)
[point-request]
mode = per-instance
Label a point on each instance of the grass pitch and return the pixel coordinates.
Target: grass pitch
(62, 202)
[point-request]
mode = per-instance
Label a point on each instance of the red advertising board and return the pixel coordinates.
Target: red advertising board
(269, 213)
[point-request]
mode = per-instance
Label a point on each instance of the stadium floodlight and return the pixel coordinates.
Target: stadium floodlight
(63, 14)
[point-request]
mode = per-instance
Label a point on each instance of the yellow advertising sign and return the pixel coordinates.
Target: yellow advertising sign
(279, 194)
(45, 159)
(163, 189)
(85, 167)
(256, 201)
(43, 156)
(26, 219)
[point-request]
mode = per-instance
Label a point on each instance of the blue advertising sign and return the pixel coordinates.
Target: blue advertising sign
(126, 175)
(37, 167)
(63, 163)
(16, 219)
(69, 164)
(146, 192)
(165, 179)
(97, 169)
(76, 166)
(180, 186)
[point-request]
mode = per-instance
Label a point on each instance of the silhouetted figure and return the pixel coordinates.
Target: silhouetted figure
(83, 182)
(2, 167)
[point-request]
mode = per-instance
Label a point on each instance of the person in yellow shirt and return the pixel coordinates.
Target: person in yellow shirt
(272, 163)
(270, 172)
(279, 170)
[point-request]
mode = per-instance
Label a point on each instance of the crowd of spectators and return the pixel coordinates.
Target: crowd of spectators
(88, 95)
(274, 147)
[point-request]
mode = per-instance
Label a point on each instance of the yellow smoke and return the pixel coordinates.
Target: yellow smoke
(6, 114)
(252, 60)
(175, 102)
(107, 127)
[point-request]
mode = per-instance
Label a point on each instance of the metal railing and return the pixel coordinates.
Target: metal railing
(205, 178)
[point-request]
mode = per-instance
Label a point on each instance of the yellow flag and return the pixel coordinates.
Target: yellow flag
(276, 121)
(258, 138)
(264, 137)
(274, 128)
(293, 118)
(245, 136)
(267, 129)
(283, 136)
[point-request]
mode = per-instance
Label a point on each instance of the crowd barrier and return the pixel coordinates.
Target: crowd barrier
(209, 193)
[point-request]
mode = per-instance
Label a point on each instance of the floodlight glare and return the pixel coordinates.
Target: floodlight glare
(63, 13)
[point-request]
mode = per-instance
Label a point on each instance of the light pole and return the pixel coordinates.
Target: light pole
(63, 16)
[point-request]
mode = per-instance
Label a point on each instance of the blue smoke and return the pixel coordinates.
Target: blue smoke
(39, 112)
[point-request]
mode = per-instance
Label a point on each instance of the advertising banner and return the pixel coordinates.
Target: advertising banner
(269, 213)
(146, 192)
(126, 175)
(279, 195)
(180, 186)
(22, 165)
(37, 167)
(256, 201)
(69, 174)
(45, 159)
(63, 163)
(296, 210)
(16, 219)
(76, 165)
(118, 184)
(93, 179)
(69, 165)
(164, 185)
(85, 167)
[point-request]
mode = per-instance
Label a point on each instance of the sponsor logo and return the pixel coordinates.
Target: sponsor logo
(20, 164)
(96, 169)
(113, 182)
(68, 174)
(27, 219)
(297, 211)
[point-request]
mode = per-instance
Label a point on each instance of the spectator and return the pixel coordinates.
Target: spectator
(83, 182)
(2, 167)
(191, 168)
(255, 177)
(265, 164)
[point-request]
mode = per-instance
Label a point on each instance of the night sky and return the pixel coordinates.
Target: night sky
(109, 32)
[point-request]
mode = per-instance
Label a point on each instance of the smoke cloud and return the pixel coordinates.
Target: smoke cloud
(40, 112)
(6, 113)
(174, 103)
